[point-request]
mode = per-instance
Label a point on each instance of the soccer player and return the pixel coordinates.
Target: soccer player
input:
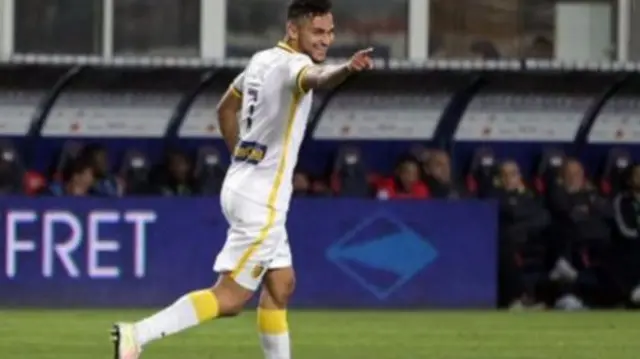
(273, 96)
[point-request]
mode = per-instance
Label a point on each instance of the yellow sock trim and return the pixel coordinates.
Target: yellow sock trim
(272, 321)
(205, 303)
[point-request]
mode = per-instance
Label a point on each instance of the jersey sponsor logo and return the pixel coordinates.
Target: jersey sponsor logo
(260, 269)
(256, 272)
(250, 152)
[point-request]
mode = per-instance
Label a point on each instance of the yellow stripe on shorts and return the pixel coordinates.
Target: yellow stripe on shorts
(273, 195)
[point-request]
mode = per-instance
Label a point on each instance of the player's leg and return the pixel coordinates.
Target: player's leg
(226, 298)
(278, 286)
(238, 280)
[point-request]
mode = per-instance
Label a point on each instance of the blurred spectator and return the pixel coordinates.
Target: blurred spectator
(405, 184)
(581, 237)
(175, 179)
(626, 207)
(106, 184)
(437, 176)
(522, 220)
(301, 184)
(77, 180)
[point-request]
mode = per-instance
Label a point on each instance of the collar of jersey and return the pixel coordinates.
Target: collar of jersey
(283, 45)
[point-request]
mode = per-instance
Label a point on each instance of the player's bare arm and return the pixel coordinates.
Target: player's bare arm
(228, 108)
(327, 76)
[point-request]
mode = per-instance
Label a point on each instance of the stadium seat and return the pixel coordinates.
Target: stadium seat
(482, 172)
(349, 178)
(135, 172)
(34, 183)
(70, 151)
(209, 171)
(548, 169)
(615, 168)
(11, 169)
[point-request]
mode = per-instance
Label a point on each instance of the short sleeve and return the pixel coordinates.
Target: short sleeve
(297, 67)
(237, 85)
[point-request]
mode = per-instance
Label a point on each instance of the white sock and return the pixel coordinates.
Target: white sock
(274, 333)
(188, 311)
(276, 346)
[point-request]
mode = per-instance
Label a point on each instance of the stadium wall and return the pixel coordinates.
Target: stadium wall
(348, 253)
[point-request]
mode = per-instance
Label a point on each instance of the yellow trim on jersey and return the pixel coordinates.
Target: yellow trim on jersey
(283, 45)
(273, 195)
(237, 93)
(300, 77)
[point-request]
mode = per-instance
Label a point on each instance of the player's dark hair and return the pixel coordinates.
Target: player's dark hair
(303, 8)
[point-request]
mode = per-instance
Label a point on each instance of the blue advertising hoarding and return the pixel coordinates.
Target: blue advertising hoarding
(67, 252)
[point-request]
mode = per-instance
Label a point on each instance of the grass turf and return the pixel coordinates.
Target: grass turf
(80, 334)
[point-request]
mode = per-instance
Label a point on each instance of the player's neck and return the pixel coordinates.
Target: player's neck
(289, 45)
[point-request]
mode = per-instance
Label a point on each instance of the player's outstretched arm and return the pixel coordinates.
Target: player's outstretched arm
(327, 76)
(228, 108)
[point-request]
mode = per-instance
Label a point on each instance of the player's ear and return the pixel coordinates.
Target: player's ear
(292, 30)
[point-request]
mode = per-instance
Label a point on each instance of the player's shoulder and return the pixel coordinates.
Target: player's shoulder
(288, 55)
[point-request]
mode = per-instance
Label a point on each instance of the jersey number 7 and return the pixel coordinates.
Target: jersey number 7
(253, 99)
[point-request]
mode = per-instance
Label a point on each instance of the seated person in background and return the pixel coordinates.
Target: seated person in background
(106, 184)
(581, 237)
(175, 178)
(301, 184)
(405, 184)
(437, 176)
(626, 207)
(77, 180)
(522, 220)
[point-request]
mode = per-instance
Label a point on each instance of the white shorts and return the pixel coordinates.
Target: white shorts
(256, 240)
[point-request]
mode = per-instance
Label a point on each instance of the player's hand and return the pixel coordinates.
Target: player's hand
(361, 60)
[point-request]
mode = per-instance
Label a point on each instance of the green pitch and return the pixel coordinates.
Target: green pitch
(340, 335)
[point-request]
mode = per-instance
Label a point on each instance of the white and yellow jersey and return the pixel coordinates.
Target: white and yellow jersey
(273, 121)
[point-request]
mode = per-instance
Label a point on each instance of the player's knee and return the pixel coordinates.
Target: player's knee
(289, 286)
(279, 289)
(231, 297)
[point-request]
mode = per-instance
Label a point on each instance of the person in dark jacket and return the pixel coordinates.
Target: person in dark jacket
(106, 184)
(522, 220)
(438, 176)
(581, 239)
(626, 207)
(175, 176)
